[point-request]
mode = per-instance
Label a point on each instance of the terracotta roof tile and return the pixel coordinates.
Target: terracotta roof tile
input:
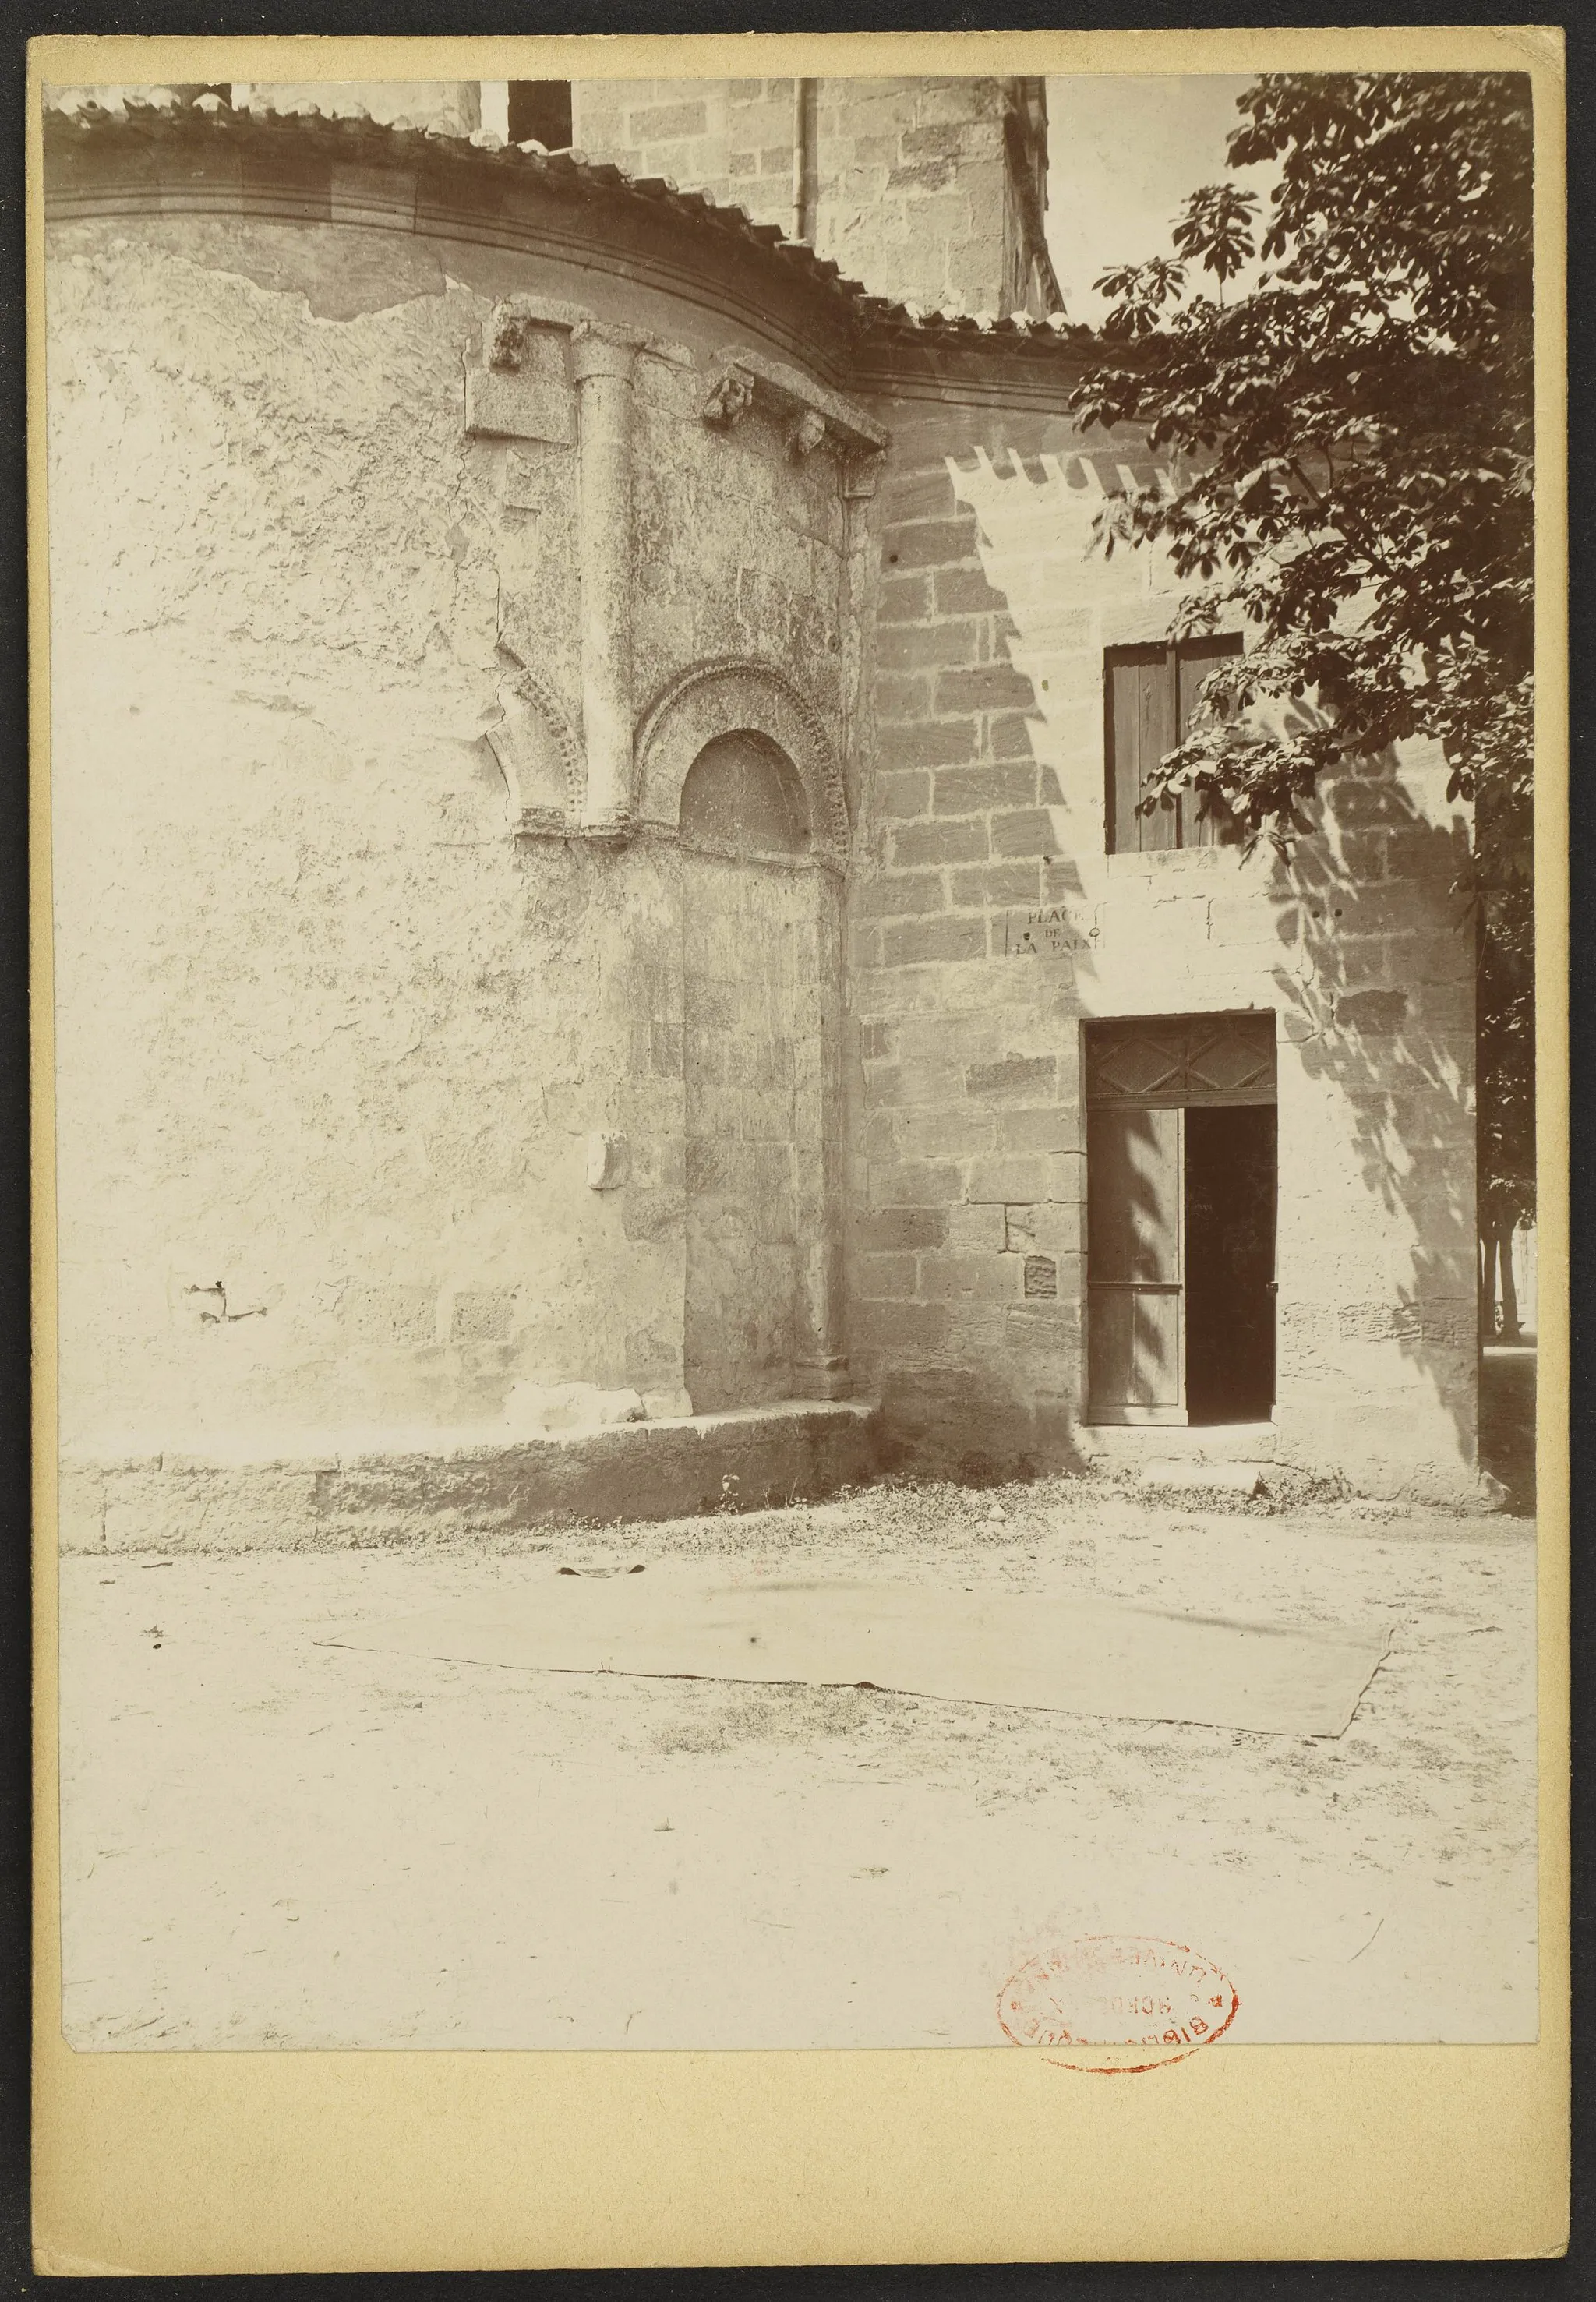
(154, 115)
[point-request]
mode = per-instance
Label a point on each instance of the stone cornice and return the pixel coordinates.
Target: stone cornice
(172, 160)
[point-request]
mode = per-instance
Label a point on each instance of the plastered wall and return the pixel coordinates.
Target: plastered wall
(990, 922)
(332, 1042)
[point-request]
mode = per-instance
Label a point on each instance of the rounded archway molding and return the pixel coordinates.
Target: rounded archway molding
(719, 699)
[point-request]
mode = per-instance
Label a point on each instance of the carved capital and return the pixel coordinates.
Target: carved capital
(597, 348)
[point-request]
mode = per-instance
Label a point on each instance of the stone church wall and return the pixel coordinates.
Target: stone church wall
(914, 196)
(343, 1012)
(405, 556)
(990, 922)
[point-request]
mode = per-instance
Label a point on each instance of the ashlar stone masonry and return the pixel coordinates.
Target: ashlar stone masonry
(583, 751)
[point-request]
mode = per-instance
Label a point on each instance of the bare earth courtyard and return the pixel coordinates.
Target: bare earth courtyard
(269, 1842)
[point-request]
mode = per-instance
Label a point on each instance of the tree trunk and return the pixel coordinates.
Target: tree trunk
(1509, 1329)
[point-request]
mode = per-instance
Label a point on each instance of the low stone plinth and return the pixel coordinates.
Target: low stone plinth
(387, 1495)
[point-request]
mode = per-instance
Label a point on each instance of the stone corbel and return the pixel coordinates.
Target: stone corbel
(729, 397)
(522, 391)
(744, 379)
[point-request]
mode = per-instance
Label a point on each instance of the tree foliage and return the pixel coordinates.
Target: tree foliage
(1350, 449)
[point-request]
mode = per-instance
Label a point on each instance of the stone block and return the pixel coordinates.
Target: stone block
(961, 839)
(1056, 1128)
(905, 600)
(405, 1314)
(1049, 1328)
(997, 883)
(531, 1408)
(656, 124)
(534, 403)
(1066, 1178)
(1011, 1079)
(916, 1183)
(934, 543)
(899, 893)
(955, 1134)
(985, 687)
(926, 743)
(984, 1278)
(885, 1326)
(975, 790)
(1012, 735)
(1450, 1320)
(1443, 958)
(965, 592)
(1025, 831)
(1047, 1227)
(654, 1214)
(949, 938)
(884, 1229)
(911, 647)
(903, 695)
(1018, 1180)
(904, 795)
(976, 1230)
(886, 1278)
(483, 1315)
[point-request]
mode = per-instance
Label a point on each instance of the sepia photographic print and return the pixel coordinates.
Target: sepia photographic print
(792, 909)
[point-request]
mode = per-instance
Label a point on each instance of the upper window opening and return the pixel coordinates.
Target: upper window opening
(540, 113)
(1150, 693)
(743, 797)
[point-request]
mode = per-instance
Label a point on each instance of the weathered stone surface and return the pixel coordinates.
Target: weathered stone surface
(655, 1469)
(374, 710)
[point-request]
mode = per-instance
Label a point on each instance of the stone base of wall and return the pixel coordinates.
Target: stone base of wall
(796, 1450)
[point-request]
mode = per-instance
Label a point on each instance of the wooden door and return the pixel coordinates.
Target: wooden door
(1135, 1198)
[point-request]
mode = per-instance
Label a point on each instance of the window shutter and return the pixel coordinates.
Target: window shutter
(1141, 719)
(1194, 660)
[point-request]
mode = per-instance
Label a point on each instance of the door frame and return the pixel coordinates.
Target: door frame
(1190, 1041)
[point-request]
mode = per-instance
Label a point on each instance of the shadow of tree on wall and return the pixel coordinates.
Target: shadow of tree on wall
(1376, 995)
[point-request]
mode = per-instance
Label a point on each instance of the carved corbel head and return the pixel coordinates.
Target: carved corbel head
(730, 396)
(806, 434)
(508, 340)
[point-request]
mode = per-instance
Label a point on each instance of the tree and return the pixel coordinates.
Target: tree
(1351, 453)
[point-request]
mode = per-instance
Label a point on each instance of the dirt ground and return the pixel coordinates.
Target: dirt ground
(267, 1841)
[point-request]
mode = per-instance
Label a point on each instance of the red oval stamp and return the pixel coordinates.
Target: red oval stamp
(1117, 2003)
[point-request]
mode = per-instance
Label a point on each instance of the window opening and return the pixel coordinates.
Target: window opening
(540, 113)
(1149, 696)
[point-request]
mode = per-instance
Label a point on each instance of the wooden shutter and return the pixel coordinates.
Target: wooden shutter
(1140, 703)
(1194, 660)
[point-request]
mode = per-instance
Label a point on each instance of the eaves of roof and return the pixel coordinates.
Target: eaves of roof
(178, 156)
